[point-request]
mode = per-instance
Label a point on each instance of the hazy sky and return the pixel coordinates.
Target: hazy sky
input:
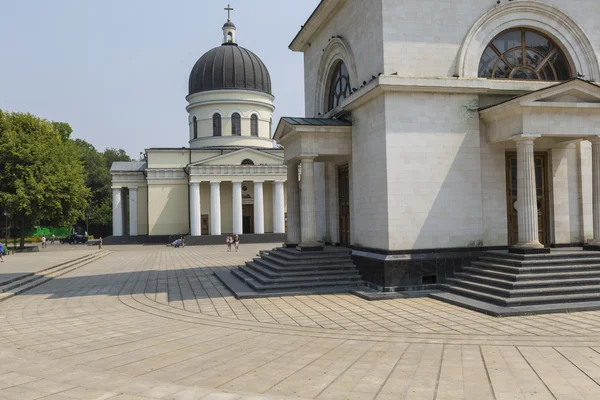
(117, 70)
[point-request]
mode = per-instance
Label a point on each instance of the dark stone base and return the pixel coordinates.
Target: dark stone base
(290, 245)
(522, 250)
(412, 270)
(591, 247)
(310, 247)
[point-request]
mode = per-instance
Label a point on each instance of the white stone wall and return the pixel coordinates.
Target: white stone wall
(585, 177)
(423, 38)
(368, 181)
(433, 171)
(359, 23)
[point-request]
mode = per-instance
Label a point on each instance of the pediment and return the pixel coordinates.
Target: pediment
(236, 157)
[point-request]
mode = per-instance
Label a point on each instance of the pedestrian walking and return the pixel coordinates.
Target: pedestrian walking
(229, 242)
(100, 243)
(53, 238)
(43, 242)
(1, 252)
(236, 242)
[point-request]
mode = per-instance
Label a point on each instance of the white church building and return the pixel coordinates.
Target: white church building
(437, 130)
(231, 178)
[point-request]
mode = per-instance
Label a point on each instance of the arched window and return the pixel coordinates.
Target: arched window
(339, 86)
(254, 125)
(216, 124)
(247, 161)
(271, 128)
(524, 54)
(236, 125)
(195, 124)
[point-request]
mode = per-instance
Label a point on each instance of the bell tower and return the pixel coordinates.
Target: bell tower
(229, 28)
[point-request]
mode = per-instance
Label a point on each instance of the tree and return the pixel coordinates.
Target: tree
(42, 179)
(98, 179)
(63, 129)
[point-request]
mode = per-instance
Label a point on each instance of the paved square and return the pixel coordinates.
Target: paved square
(154, 322)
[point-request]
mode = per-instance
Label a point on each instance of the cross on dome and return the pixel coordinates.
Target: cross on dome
(228, 9)
(229, 27)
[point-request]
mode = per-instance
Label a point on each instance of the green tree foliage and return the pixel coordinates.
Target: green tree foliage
(98, 179)
(63, 129)
(42, 180)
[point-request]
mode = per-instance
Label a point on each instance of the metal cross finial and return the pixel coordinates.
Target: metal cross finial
(229, 10)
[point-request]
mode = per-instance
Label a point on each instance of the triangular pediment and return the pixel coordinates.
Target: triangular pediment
(236, 157)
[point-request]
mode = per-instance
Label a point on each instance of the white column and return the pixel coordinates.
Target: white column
(333, 214)
(278, 208)
(238, 225)
(259, 208)
(293, 204)
(308, 204)
(133, 219)
(215, 208)
(117, 212)
(596, 189)
(195, 226)
(526, 195)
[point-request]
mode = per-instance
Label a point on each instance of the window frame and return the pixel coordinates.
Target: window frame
(217, 125)
(236, 124)
(195, 127)
(254, 125)
(336, 95)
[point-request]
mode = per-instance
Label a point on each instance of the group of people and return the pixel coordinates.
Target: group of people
(45, 241)
(233, 241)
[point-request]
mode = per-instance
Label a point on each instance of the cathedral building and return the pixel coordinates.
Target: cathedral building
(437, 130)
(231, 178)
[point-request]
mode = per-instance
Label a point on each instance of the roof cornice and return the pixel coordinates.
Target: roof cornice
(321, 15)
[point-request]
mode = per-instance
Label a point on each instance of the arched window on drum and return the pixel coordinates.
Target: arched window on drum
(236, 125)
(254, 125)
(524, 54)
(339, 86)
(216, 124)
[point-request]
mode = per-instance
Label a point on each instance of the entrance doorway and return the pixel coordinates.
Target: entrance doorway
(541, 181)
(248, 218)
(344, 204)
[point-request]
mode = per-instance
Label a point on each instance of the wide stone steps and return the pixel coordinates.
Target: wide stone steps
(282, 272)
(540, 282)
(29, 281)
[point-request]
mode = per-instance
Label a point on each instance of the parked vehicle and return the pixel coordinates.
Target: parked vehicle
(75, 238)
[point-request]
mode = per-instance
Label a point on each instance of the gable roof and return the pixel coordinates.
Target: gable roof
(128, 166)
(276, 158)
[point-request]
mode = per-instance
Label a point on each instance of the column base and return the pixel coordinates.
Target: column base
(593, 246)
(315, 246)
(528, 250)
(290, 245)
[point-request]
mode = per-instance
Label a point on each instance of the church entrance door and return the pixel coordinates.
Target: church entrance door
(248, 218)
(541, 180)
(344, 204)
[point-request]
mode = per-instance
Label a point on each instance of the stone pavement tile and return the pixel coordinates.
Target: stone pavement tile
(21, 393)
(47, 386)
(162, 391)
(88, 394)
(15, 378)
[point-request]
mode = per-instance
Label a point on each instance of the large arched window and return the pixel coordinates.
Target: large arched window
(254, 125)
(236, 125)
(339, 86)
(195, 124)
(216, 124)
(524, 54)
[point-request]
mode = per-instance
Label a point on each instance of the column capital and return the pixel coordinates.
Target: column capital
(307, 157)
(194, 183)
(215, 182)
(240, 182)
(134, 188)
(594, 139)
(525, 137)
(258, 181)
(278, 181)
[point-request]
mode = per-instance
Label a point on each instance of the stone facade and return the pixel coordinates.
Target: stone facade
(430, 140)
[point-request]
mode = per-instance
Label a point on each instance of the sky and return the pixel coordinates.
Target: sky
(117, 70)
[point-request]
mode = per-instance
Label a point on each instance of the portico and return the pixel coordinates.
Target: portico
(560, 115)
(313, 144)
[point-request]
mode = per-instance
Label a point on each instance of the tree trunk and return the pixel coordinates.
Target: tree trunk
(22, 234)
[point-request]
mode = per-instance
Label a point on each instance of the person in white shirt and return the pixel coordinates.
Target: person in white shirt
(43, 242)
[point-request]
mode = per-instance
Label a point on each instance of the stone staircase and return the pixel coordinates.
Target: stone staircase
(288, 272)
(22, 283)
(505, 284)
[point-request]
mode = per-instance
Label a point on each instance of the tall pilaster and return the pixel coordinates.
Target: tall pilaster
(278, 208)
(293, 205)
(195, 210)
(596, 191)
(259, 208)
(238, 225)
(526, 196)
(215, 208)
(133, 217)
(117, 212)
(333, 214)
(308, 205)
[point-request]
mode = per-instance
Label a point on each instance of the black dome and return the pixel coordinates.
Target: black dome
(229, 66)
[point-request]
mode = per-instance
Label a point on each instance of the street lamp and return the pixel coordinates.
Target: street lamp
(87, 217)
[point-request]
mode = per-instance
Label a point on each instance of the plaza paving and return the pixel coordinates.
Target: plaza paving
(154, 322)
